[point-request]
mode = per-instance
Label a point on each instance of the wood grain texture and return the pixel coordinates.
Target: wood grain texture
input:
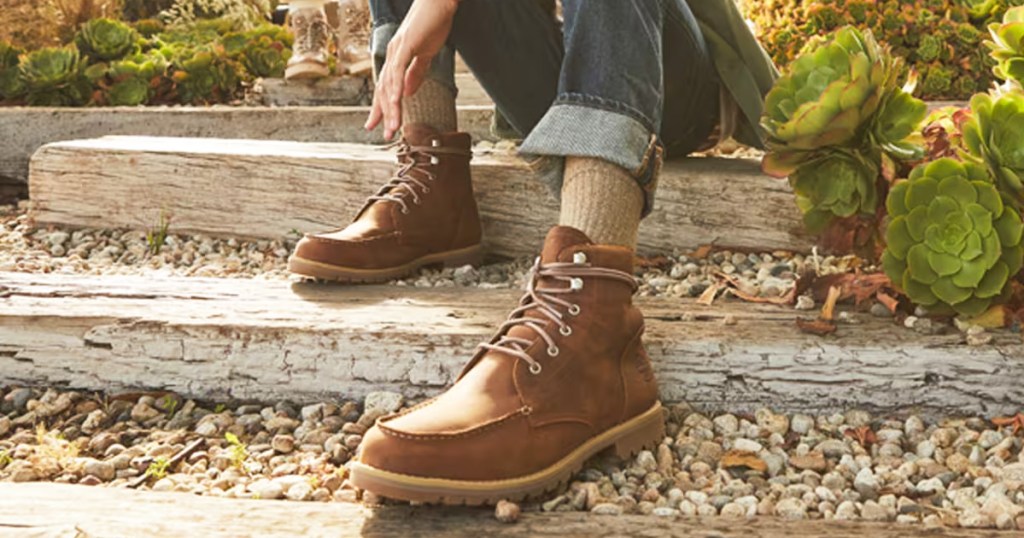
(23, 130)
(265, 189)
(67, 511)
(251, 339)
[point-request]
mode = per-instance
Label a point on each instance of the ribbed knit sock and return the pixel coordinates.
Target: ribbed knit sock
(602, 200)
(432, 104)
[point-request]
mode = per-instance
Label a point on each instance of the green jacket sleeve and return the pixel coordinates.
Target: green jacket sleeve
(743, 66)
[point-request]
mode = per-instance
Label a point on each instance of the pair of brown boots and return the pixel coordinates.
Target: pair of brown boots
(563, 379)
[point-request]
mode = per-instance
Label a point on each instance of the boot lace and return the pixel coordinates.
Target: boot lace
(549, 302)
(405, 183)
(312, 33)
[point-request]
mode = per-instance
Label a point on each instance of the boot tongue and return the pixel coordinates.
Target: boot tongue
(560, 238)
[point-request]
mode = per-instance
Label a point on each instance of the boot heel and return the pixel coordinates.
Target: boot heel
(468, 256)
(649, 431)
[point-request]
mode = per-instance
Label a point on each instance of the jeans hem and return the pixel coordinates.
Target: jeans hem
(583, 130)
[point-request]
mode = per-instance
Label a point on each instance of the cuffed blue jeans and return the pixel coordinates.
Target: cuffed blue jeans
(628, 81)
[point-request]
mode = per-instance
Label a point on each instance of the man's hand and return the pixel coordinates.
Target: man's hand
(420, 37)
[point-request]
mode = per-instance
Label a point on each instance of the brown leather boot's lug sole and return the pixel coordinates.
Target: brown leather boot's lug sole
(473, 255)
(627, 439)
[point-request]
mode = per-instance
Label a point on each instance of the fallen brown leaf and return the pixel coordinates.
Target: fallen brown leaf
(708, 297)
(651, 262)
(734, 289)
(828, 310)
(888, 301)
(702, 252)
(819, 327)
(864, 435)
(739, 459)
(1017, 421)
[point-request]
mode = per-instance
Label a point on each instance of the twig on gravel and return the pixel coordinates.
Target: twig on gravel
(175, 459)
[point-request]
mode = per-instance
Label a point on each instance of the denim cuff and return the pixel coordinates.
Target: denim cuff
(578, 130)
(442, 68)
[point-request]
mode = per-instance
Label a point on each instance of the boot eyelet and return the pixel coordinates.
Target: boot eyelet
(426, 190)
(436, 142)
(553, 351)
(434, 160)
(579, 258)
(565, 330)
(535, 368)
(405, 210)
(417, 201)
(576, 284)
(574, 309)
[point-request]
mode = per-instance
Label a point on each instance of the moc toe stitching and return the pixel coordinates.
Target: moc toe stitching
(353, 241)
(446, 436)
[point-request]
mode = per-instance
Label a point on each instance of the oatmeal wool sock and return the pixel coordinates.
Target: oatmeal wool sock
(602, 200)
(433, 104)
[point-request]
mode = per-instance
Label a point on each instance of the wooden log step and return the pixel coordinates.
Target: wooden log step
(265, 189)
(265, 340)
(23, 130)
(67, 511)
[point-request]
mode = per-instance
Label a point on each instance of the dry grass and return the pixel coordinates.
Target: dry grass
(32, 23)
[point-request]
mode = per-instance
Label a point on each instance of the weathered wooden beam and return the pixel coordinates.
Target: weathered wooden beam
(349, 91)
(23, 130)
(67, 511)
(250, 339)
(265, 189)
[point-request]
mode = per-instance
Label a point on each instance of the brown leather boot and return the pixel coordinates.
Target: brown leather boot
(425, 215)
(563, 379)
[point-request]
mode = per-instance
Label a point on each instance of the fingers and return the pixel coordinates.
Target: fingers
(415, 75)
(387, 96)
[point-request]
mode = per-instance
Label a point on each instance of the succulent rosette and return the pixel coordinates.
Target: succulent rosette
(205, 77)
(1008, 45)
(54, 77)
(103, 40)
(994, 135)
(836, 119)
(952, 245)
(850, 188)
(10, 85)
(827, 99)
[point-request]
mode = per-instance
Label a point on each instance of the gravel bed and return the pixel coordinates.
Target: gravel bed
(25, 248)
(852, 466)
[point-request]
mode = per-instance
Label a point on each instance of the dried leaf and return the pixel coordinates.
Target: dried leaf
(702, 252)
(860, 286)
(1017, 421)
(733, 287)
(819, 327)
(888, 301)
(828, 310)
(864, 435)
(739, 460)
(708, 297)
(651, 262)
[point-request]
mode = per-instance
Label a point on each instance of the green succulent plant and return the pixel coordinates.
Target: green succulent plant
(206, 76)
(849, 189)
(952, 244)
(134, 80)
(994, 135)
(1008, 46)
(832, 122)
(149, 27)
(923, 32)
(54, 77)
(103, 40)
(263, 51)
(11, 86)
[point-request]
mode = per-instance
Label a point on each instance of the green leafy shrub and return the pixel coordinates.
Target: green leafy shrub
(952, 244)
(54, 77)
(103, 40)
(994, 135)
(11, 86)
(1008, 46)
(835, 121)
(938, 38)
